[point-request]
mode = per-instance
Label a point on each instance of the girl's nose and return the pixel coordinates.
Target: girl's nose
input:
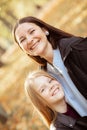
(49, 87)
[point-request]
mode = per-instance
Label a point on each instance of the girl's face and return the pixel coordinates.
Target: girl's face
(31, 38)
(50, 89)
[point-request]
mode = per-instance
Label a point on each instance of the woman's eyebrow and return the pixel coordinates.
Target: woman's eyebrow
(29, 29)
(21, 38)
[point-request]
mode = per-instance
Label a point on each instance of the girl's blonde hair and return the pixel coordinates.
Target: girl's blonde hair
(43, 108)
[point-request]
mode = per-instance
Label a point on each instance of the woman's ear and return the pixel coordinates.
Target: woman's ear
(45, 31)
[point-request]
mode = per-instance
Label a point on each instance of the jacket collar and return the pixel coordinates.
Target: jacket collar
(64, 120)
(66, 45)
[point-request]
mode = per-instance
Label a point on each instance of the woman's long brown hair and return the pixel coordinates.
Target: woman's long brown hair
(54, 36)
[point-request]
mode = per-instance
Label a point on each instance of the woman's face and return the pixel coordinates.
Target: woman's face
(50, 89)
(31, 38)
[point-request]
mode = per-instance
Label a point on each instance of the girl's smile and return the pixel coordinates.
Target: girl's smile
(50, 89)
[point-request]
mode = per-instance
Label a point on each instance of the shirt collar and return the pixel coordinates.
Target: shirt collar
(57, 60)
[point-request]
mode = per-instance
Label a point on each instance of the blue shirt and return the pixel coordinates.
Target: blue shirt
(72, 94)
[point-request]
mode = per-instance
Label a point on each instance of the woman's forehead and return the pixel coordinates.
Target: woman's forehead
(25, 27)
(29, 24)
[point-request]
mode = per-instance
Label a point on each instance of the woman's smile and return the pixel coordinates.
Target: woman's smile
(33, 40)
(34, 44)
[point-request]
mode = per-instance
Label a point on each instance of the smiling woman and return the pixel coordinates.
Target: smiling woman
(32, 39)
(47, 96)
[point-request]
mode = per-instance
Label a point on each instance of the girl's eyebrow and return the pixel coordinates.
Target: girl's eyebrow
(41, 87)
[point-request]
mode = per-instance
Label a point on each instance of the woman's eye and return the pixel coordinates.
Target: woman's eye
(32, 31)
(22, 40)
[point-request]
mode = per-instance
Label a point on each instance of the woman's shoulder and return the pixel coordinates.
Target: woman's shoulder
(70, 40)
(66, 44)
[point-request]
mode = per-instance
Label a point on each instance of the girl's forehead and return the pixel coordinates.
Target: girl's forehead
(41, 79)
(39, 82)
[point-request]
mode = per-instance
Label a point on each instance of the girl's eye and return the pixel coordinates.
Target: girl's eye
(32, 31)
(50, 80)
(42, 90)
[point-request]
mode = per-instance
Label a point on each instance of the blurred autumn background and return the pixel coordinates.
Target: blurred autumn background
(16, 112)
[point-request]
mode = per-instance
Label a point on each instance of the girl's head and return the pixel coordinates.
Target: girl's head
(45, 94)
(31, 33)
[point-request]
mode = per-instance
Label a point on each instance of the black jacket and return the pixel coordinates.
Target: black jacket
(64, 122)
(74, 54)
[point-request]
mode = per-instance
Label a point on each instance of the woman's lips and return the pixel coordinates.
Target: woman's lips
(34, 45)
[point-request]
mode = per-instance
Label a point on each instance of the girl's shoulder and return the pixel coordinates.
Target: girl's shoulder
(52, 127)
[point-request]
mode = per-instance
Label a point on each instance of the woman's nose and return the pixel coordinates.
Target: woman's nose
(29, 39)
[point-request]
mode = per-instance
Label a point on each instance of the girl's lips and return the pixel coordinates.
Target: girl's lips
(55, 91)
